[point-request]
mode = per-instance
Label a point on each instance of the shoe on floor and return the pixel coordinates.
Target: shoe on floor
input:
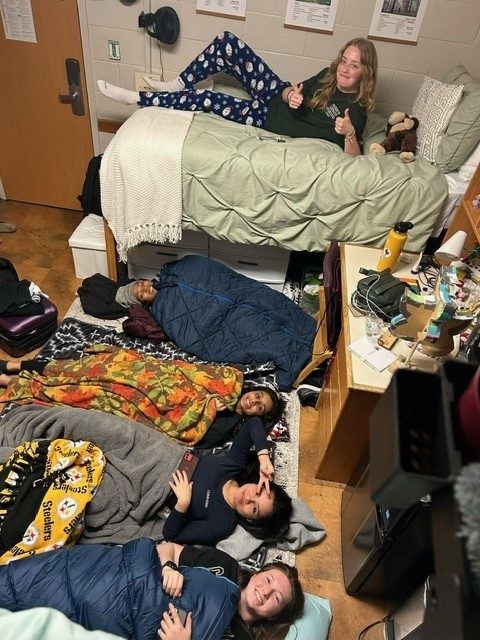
(315, 379)
(308, 396)
(6, 227)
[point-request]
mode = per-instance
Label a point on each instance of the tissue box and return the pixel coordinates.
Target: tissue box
(88, 247)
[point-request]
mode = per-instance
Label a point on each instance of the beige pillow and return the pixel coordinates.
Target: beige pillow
(434, 106)
(463, 131)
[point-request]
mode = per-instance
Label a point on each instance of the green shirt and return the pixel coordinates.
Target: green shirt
(305, 123)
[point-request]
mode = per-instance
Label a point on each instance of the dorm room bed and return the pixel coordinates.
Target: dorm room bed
(246, 185)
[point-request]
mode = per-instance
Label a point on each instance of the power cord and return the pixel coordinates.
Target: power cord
(427, 273)
(364, 631)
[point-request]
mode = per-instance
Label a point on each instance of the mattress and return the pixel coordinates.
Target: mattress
(456, 190)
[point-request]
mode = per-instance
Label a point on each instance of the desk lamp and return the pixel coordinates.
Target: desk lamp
(452, 248)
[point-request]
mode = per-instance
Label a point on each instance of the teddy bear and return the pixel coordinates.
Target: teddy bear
(401, 136)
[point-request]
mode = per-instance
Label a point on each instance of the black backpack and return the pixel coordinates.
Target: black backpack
(90, 198)
(8, 273)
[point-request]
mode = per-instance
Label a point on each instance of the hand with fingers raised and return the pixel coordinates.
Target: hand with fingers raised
(182, 488)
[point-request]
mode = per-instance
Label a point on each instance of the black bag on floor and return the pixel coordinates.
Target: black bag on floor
(8, 273)
(90, 198)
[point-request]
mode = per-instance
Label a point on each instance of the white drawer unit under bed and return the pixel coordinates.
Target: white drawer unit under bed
(259, 262)
(146, 260)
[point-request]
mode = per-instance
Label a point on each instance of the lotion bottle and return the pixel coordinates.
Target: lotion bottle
(393, 246)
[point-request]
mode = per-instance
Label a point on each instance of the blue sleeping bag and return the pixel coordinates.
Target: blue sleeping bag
(219, 315)
(116, 589)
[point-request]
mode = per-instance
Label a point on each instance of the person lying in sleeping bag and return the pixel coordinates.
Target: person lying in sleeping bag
(270, 599)
(117, 589)
(219, 315)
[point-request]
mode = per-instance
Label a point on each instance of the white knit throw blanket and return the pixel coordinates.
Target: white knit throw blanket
(141, 178)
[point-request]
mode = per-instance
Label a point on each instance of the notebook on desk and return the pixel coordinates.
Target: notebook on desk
(376, 357)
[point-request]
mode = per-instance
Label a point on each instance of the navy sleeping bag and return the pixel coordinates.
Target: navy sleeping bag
(219, 315)
(116, 589)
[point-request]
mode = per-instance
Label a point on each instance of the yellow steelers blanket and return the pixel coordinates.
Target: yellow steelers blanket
(45, 487)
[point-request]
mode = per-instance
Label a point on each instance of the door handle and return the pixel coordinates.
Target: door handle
(74, 96)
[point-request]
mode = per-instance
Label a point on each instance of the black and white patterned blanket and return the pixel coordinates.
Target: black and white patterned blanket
(72, 337)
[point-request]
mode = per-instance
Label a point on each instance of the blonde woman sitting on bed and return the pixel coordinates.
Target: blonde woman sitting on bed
(331, 105)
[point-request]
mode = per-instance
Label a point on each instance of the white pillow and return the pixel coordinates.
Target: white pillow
(467, 169)
(434, 106)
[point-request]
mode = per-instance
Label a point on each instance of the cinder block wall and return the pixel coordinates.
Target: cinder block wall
(450, 33)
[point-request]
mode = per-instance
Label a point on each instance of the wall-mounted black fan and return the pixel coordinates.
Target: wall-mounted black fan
(164, 24)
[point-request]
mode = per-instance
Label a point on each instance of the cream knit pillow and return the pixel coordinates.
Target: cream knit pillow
(434, 106)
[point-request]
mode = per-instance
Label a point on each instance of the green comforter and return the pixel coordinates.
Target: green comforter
(251, 186)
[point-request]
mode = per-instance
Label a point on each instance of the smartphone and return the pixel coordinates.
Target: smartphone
(182, 614)
(188, 464)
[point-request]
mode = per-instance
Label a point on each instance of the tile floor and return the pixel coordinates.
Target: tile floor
(40, 252)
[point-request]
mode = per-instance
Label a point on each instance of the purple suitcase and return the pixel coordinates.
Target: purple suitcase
(20, 334)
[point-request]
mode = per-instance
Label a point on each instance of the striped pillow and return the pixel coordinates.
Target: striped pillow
(434, 106)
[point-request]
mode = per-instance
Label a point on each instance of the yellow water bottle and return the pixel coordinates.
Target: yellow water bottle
(393, 246)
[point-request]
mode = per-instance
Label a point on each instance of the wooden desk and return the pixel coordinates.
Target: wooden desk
(353, 388)
(467, 218)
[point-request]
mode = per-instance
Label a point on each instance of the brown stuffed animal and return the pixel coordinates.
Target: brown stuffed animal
(401, 136)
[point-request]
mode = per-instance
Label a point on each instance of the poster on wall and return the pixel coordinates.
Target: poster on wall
(397, 20)
(311, 15)
(226, 8)
(17, 20)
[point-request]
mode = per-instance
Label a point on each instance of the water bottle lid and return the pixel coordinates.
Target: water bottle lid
(402, 227)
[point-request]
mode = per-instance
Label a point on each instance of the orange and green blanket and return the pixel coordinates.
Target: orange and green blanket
(172, 396)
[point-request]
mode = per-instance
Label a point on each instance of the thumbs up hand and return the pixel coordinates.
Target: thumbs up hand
(295, 97)
(343, 126)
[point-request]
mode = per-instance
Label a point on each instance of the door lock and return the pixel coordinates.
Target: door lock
(74, 96)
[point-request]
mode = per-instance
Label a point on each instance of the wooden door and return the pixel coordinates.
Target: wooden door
(44, 147)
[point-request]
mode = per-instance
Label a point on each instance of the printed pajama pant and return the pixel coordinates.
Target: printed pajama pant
(229, 54)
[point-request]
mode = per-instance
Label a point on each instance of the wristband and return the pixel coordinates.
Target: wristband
(350, 135)
(170, 564)
(265, 453)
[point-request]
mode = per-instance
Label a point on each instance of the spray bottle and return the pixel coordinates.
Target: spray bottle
(393, 246)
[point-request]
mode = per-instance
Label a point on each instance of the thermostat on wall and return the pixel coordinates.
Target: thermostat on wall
(114, 50)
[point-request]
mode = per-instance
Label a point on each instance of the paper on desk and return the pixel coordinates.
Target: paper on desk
(377, 357)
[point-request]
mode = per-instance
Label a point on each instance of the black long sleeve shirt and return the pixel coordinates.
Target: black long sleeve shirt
(209, 518)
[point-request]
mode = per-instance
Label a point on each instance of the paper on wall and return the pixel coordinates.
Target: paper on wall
(17, 20)
(311, 15)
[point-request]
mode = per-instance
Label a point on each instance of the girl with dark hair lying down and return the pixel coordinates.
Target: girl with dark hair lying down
(255, 400)
(209, 508)
(205, 511)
